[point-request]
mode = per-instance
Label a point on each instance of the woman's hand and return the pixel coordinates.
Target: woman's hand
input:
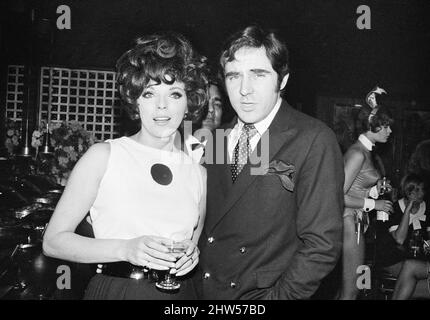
(384, 205)
(150, 251)
(189, 260)
(388, 186)
(412, 206)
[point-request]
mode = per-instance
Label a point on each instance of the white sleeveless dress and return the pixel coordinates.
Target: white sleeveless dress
(130, 203)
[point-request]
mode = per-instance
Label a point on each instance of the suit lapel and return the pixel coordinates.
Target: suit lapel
(277, 135)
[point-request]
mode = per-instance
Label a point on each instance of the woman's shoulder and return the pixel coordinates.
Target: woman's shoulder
(355, 152)
(97, 153)
(100, 149)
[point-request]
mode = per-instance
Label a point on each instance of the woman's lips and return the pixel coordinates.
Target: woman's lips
(161, 120)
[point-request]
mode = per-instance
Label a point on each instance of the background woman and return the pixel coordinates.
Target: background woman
(361, 176)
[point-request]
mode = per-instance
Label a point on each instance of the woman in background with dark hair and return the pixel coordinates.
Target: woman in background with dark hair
(419, 163)
(362, 183)
(143, 193)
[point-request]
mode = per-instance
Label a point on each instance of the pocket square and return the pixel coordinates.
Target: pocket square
(284, 171)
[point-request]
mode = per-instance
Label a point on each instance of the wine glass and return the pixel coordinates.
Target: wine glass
(169, 283)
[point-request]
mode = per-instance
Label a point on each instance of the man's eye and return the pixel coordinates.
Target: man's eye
(177, 95)
(217, 105)
(232, 76)
(147, 94)
(260, 75)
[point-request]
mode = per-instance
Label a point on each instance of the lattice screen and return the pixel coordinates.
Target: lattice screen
(87, 96)
(15, 92)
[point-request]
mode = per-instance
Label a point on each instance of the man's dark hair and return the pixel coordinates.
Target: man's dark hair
(257, 37)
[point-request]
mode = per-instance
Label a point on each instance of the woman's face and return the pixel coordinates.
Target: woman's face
(213, 118)
(162, 108)
(382, 135)
(417, 194)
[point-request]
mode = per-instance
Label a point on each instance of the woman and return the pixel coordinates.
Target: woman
(414, 274)
(362, 177)
(142, 192)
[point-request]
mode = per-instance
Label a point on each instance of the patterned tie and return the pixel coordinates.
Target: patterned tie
(242, 151)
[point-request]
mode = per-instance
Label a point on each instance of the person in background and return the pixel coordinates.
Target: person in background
(410, 226)
(216, 106)
(142, 192)
(419, 163)
(362, 186)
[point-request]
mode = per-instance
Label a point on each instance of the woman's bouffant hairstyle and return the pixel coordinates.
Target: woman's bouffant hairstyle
(256, 37)
(409, 183)
(373, 122)
(163, 57)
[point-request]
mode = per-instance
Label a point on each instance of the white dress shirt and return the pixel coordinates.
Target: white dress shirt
(261, 127)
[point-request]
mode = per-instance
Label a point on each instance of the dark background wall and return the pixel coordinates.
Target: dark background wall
(329, 55)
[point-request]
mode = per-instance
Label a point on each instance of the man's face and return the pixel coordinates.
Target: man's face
(252, 84)
(213, 118)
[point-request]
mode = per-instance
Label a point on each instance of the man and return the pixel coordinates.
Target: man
(213, 118)
(274, 235)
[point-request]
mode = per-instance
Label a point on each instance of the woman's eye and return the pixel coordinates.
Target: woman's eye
(177, 95)
(147, 94)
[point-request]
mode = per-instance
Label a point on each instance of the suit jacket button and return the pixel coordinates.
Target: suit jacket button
(206, 275)
(232, 284)
(211, 239)
(242, 250)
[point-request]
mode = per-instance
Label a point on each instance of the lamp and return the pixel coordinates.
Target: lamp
(46, 145)
(25, 150)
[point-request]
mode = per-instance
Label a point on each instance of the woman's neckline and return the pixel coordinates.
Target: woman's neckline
(144, 146)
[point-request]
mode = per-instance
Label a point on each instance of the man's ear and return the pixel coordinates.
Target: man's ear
(284, 82)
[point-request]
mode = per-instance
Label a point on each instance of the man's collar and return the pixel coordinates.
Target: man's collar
(366, 142)
(264, 124)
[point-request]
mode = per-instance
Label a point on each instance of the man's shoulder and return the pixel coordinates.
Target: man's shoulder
(307, 124)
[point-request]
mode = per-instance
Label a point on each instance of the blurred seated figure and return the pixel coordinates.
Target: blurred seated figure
(419, 163)
(399, 250)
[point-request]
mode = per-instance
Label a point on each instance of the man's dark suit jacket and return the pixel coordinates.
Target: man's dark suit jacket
(261, 241)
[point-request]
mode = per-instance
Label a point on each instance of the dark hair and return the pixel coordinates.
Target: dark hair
(410, 182)
(373, 122)
(256, 37)
(163, 57)
(419, 162)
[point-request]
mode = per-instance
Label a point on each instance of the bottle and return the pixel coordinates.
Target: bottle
(382, 215)
(416, 243)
